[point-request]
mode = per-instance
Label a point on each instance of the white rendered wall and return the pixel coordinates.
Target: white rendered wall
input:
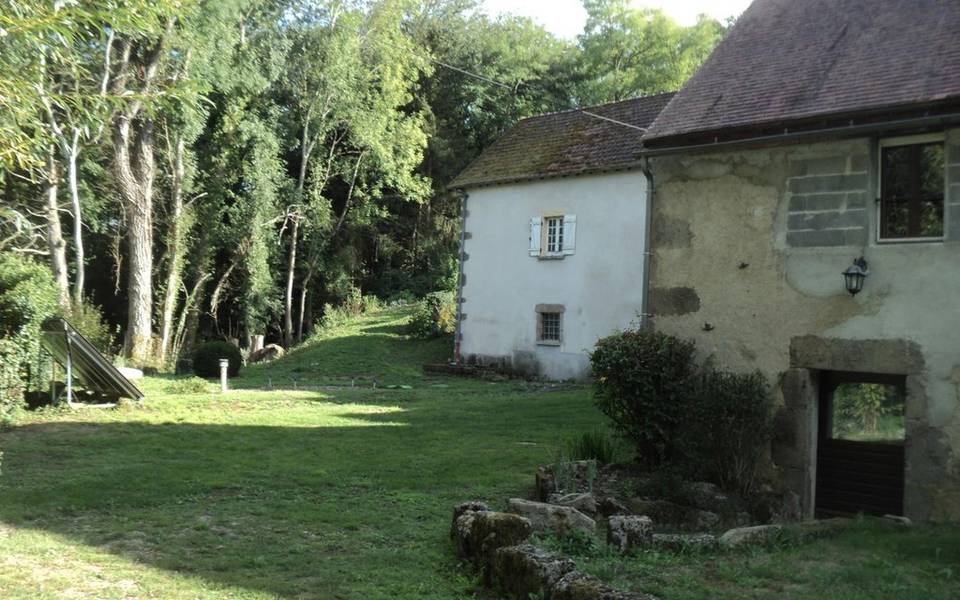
(600, 285)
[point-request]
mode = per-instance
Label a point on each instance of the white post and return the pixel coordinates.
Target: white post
(69, 371)
(224, 365)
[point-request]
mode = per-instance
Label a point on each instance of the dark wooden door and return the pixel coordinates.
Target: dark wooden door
(860, 451)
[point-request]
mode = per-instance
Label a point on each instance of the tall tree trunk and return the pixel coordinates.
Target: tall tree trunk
(303, 302)
(291, 271)
(57, 247)
(174, 250)
(134, 172)
(73, 153)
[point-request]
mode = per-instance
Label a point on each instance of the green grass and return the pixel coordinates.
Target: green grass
(337, 493)
(874, 560)
(345, 493)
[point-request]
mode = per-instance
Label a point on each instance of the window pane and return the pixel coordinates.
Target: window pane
(868, 412)
(912, 181)
(550, 326)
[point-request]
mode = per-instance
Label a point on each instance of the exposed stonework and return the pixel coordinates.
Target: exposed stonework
(628, 533)
(578, 586)
(674, 301)
(759, 289)
(549, 518)
(525, 570)
(899, 357)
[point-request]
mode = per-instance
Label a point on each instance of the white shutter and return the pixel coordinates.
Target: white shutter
(535, 224)
(569, 233)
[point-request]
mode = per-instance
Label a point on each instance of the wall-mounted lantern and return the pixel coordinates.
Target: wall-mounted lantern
(854, 275)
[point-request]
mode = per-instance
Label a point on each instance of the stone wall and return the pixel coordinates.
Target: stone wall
(747, 253)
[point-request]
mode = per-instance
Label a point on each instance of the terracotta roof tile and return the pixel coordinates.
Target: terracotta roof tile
(792, 60)
(565, 143)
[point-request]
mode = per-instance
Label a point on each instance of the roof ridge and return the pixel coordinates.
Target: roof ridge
(593, 106)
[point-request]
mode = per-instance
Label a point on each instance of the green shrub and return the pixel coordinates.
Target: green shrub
(89, 321)
(642, 380)
(596, 444)
(371, 303)
(435, 316)
(728, 426)
(334, 317)
(206, 359)
(28, 295)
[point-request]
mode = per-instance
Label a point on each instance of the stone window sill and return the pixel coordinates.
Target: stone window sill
(548, 342)
(551, 257)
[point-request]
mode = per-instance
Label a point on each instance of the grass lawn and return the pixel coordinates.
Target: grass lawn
(339, 492)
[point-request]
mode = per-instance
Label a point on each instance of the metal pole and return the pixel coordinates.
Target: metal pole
(224, 365)
(69, 371)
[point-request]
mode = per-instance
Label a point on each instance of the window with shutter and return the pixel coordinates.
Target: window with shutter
(569, 234)
(535, 235)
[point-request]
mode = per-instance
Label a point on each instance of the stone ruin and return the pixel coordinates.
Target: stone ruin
(581, 501)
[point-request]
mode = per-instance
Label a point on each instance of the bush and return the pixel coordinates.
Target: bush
(88, 320)
(206, 359)
(728, 427)
(596, 445)
(690, 421)
(334, 317)
(28, 295)
(435, 316)
(642, 381)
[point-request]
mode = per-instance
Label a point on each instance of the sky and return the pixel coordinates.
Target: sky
(565, 18)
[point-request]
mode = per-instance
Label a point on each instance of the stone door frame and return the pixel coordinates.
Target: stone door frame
(795, 442)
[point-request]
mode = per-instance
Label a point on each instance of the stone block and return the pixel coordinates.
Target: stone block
(814, 184)
(855, 237)
(478, 535)
(825, 165)
(464, 507)
(816, 239)
(628, 533)
(578, 586)
(820, 221)
(856, 200)
(526, 571)
(584, 502)
(674, 301)
(742, 536)
(549, 518)
(829, 201)
(865, 356)
(860, 163)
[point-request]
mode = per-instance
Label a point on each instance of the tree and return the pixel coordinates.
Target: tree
(629, 52)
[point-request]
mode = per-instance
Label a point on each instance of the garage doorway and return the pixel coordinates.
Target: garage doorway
(860, 445)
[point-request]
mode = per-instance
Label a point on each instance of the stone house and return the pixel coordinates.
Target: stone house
(553, 235)
(819, 132)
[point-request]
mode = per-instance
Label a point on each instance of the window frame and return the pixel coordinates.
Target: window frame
(549, 309)
(908, 140)
(545, 221)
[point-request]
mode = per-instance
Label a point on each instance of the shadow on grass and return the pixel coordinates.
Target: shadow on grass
(349, 500)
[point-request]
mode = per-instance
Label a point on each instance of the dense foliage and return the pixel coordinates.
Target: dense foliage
(643, 381)
(215, 169)
(435, 316)
(696, 420)
(28, 295)
(206, 359)
(727, 428)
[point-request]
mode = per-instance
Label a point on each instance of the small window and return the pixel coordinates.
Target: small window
(867, 412)
(912, 184)
(554, 227)
(553, 236)
(549, 324)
